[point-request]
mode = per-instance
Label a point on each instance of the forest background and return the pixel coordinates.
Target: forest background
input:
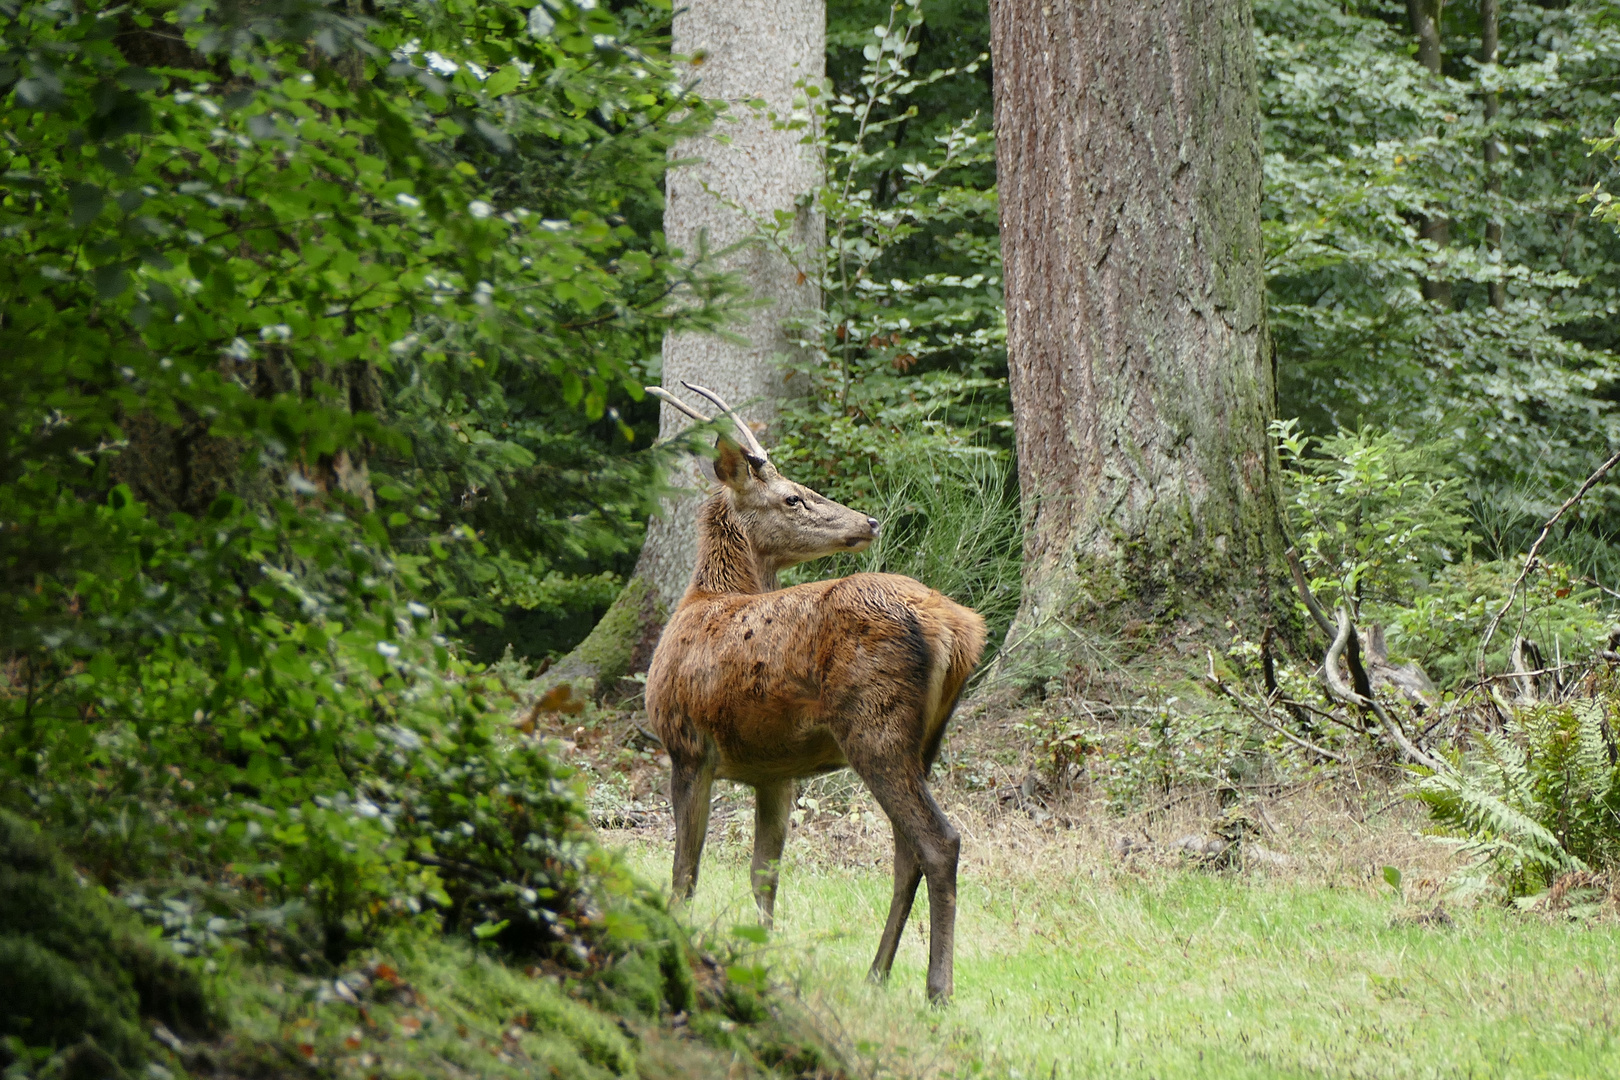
(324, 335)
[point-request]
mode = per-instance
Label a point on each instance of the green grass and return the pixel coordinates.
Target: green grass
(1090, 971)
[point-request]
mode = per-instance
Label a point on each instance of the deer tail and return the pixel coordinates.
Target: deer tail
(956, 649)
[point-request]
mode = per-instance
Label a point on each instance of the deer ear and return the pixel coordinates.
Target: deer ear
(730, 466)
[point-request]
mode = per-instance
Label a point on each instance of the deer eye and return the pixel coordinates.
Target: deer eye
(793, 500)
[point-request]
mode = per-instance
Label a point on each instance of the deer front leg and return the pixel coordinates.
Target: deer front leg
(907, 875)
(773, 807)
(690, 784)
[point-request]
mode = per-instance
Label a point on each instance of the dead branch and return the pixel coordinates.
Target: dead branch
(1535, 549)
(1265, 722)
(1358, 671)
(1268, 668)
(1337, 687)
(1330, 667)
(1305, 595)
(1332, 718)
(1523, 657)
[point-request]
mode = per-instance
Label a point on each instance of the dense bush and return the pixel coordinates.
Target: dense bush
(1380, 524)
(1362, 147)
(259, 266)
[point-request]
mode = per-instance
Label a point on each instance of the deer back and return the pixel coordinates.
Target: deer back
(775, 676)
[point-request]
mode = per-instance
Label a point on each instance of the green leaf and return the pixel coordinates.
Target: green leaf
(756, 934)
(87, 201)
(111, 280)
(503, 81)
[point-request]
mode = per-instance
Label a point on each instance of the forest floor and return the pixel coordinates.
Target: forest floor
(1092, 944)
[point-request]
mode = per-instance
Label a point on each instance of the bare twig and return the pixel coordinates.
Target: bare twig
(1535, 549)
(1291, 704)
(1265, 722)
(1601, 587)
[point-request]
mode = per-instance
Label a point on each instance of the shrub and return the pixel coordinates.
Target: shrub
(1373, 514)
(1380, 525)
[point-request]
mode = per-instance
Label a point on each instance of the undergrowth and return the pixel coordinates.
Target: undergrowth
(1540, 798)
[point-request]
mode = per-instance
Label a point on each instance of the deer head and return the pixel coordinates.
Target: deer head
(785, 523)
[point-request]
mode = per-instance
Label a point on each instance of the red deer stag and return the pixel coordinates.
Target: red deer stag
(765, 685)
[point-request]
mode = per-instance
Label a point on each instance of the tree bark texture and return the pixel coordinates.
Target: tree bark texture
(1424, 16)
(740, 50)
(1128, 159)
(749, 49)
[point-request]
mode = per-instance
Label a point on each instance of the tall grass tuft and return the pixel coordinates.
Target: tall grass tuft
(950, 520)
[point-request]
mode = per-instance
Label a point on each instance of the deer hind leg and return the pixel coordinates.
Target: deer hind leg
(922, 826)
(773, 805)
(908, 872)
(690, 783)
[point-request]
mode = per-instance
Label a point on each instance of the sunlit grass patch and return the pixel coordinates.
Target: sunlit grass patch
(1082, 971)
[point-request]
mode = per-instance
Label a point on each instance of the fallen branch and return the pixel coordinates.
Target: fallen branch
(1535, 549)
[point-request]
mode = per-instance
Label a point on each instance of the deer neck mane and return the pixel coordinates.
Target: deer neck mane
(726, 561)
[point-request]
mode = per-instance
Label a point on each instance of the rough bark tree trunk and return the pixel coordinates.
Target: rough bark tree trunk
(1128, 159)
(1490, 48)
(1424, 16)
(742, 50)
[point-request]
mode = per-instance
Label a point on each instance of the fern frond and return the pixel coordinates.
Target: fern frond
(1461, 801)
(1595, 746)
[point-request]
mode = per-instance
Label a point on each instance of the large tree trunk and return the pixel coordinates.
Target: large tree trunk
(742, 50)
(1128, 159)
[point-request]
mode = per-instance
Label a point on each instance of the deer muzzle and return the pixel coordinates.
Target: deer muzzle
(856, 543)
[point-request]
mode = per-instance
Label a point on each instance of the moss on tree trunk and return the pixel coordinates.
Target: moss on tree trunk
(621, 643)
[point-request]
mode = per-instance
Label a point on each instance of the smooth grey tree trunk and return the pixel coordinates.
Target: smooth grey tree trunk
(741, 51)
(1128, 159)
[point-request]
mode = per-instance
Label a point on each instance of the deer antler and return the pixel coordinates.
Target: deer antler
(744, 432)
(664, 395)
